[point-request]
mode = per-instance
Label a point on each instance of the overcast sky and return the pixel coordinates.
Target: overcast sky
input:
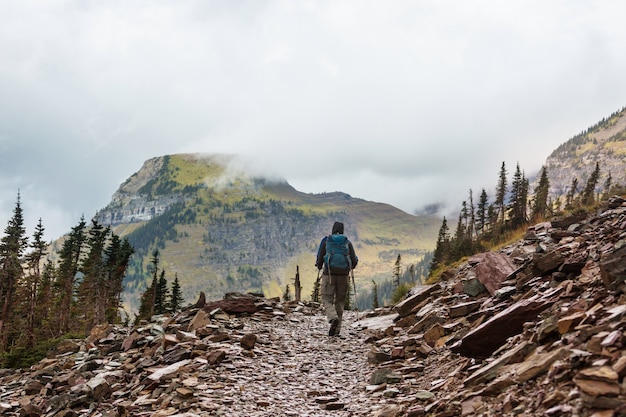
(404, 102)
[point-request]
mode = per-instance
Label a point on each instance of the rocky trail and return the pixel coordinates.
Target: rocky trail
(268, 364)
(537, 328)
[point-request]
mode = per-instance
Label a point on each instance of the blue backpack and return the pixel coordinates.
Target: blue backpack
(337, 257)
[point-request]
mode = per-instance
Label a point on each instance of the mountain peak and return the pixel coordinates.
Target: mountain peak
(224, 220)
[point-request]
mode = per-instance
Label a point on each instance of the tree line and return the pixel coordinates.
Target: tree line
(158, 298)
(42, 300)
(489, 221)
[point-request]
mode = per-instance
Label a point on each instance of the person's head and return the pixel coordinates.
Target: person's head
(338, 228)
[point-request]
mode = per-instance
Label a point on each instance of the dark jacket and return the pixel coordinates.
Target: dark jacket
(321, 251)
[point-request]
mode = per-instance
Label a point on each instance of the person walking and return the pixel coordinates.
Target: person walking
(336, 258)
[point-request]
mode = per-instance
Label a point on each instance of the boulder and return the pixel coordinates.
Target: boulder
(494, 268)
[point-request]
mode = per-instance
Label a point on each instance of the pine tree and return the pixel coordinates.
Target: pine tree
(461, 245)
(472, 217)
(146, 306)
(117, 257)
(501, 190)
(148, 298)
(519, 198)
(297, 285)
(69, 255)
(32, 283)
(92, 291)
(396, 271)
(287, 293)
(481, 215)
(45, 298)
(540, 207)
(375, 303)
(464, 218)
(161, 294)
(524, 205)
(442, 248)
(569, 198)
(176, 297)
(588, 193)
(12, 247)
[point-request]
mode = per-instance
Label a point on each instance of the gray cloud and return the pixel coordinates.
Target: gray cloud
(408, 103)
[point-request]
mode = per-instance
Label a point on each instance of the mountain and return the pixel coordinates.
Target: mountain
(221, 227)
(604, 143)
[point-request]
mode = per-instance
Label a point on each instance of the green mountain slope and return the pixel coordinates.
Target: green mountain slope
(220, 228)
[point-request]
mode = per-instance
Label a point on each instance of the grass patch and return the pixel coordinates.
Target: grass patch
(21, 358)
(186, 173)
(618, 148)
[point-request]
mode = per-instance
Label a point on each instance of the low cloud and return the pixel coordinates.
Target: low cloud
(407, 103)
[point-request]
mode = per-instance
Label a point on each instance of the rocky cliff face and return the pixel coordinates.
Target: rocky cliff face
(129, 205)
(604, 143)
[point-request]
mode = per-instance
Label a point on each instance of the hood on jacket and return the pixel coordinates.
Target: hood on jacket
(337, 228)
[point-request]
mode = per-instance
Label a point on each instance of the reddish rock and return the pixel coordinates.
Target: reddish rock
(567, 323)
(548, 262)
(234, 304)
(463, 309)
(434, 333)
(397, 353)
(416, 411)
(494, 268)
(216, 356)
(200, 320)
(430, 318)
(489, 336)
(538, 363)
(613, 268)
(405, 307)
(248, 341)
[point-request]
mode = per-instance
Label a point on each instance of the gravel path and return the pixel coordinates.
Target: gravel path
(293, 369)
(298, 370)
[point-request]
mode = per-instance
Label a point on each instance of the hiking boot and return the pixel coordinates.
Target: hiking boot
(333, 327)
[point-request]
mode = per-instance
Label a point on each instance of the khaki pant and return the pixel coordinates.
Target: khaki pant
(334, 290)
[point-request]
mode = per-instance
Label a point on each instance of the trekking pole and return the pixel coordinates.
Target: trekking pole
(354, 286)
(317, 289)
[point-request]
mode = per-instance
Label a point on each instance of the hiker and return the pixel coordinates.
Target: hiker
(337, 258)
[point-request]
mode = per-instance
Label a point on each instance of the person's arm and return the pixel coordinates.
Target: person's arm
(353, 257)
(321, 251)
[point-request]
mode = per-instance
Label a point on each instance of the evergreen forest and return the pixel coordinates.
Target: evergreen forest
(489, 222)
(45, 301)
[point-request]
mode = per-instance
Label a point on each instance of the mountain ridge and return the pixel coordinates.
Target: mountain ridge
(604, 142)
(222, 228)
